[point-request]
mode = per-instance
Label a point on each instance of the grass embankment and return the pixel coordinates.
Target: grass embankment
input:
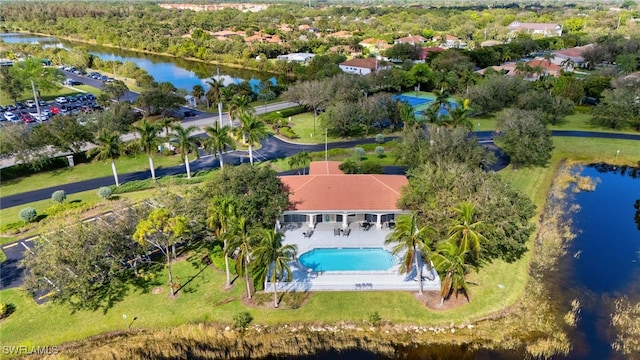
(82, 172)
(44, 95)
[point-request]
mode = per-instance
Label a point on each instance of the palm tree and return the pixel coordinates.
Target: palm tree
(148, 141)
(464, 232)
(109, 147)
(197, 92)
(239, 105)
(407, 116)
(214, 94)
(221, 215)
(412, 241)
(219, 140)
(166, 123)
(186, 143)
(459, 116)
(242, 239)
(252, 130)
(450, 262)
(273, 259)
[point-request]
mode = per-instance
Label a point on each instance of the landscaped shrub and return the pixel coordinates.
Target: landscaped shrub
(371, 167)
(375, 319)
(379, 138)
(59, 196)
(349, 167)
(28, 214)
(359, 152)
(105, 192)
(288, 132)
(242, 320)
(11, 227)
(380, 151)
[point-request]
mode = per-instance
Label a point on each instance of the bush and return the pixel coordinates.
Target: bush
(242, 320)
(11, 227)
(349, 167)
(371, 167)
(288, 132)
(380, 151)
(59, 196)
(375, 319)
(105, 192)
(359, 152)
(379, 138)
(4, 309)
(28, 214)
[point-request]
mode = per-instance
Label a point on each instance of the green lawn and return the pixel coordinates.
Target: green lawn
(44, 95)
(302, 125)
(84, 172)
(89, 89)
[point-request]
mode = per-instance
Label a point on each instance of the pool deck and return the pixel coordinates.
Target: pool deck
(305, 279)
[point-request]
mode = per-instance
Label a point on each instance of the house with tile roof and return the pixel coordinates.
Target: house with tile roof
(411, 39)
(546, 67)
(450, 42)
(362, 66)
(571, 58)
(327, 195)
(374, 45)
(544, 29)
(343, 34)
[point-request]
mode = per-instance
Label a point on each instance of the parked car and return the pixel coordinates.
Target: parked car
(80, 97)
(9, 116)
(71, 99)
(54, 110)
(46, 112)
(10, 108)
(20, 106)
(2, 108)
(42, 102)
(61, 100)
(30, 103)
(188, 113)
(90, 97)
(27, 118)
(39, 117)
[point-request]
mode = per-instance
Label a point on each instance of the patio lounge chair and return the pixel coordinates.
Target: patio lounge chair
(307, 234)
(336, 232)
(346, 232)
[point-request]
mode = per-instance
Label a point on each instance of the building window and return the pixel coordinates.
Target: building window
(295, 218)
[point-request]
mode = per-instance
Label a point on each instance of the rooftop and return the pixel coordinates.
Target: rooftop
(327, 188)
(367, 63)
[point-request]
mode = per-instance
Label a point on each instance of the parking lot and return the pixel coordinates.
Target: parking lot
(27, 112)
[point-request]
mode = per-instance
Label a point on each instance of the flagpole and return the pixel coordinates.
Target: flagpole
(326, 155)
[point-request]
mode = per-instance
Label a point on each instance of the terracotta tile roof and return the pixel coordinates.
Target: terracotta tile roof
(341, 34)
(328, 188)
(411, 39)
(573, 52)
(532, 26)
(367, 63)
(549, 66)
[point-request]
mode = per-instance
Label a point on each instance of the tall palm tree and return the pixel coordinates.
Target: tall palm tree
(109, 147)
(186, 143)
(253, 130)
(242, 236)
(450, 262)
(272, 259)
(464, 232)
(239, 104)
(214, 94)
(166, 123)
(219, 139)
(220, 217)
(413, 241)
(148, 141)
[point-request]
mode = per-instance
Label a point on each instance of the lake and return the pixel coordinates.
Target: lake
(183, 74)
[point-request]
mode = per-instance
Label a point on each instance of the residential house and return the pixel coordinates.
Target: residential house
(488, 43)
(375, 46)
(327, 195)
(411, 39)
(261, 37)
(544, 29)
(309, 28)
(546, 67)
(362, 66)
(341, 34)
(571, 58)
(428, 51)
(507, 69)
(296, 57)
(450, 42)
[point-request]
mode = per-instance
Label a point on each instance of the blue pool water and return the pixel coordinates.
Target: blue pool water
(348, 259)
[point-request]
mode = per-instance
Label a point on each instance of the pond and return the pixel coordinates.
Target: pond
(183, 74)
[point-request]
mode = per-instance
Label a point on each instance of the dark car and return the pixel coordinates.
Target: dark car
(10, 108)
(20, 106)
(188, 113)
(70, 99)
(80, 97)
(90, 97)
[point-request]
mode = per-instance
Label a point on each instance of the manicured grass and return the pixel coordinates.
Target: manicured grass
(82, 172)
(44, 95)
(89, 89)
(597, 150)
(302, 125)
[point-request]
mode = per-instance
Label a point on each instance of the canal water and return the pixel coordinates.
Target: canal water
(183, 74)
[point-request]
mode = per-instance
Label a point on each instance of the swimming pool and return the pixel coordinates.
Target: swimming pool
(348, 259)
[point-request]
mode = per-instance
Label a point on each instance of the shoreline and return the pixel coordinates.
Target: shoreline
(111, 46)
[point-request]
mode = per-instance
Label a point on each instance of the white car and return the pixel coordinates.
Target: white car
(9, 116)
(30, 103)
(39, 117)
(61, 100)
